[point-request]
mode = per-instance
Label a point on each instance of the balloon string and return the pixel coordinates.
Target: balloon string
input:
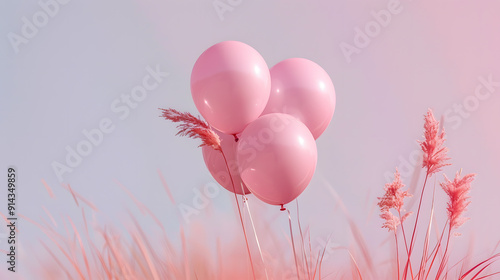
(293, 244)
(239, 212)
(245, 201)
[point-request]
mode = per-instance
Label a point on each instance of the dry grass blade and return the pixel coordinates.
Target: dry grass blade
(489, 275)
(165, 186)
(317, 263)
(293, 244)
(304, 255)
(355, 265)
(48, 188)
(482, 269)
(82, 248)
(145, 254)
(184, 249)
(320, 260)
(247, 206)
(77, 196)
(494, 258)
(356, 232)
(56, 259)
(423, 262)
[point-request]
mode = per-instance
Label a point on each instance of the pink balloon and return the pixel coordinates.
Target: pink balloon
(301, 88)
(277, 157)
(217, 166)
(230, 85)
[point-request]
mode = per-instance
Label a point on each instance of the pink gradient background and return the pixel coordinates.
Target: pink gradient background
(431, 54)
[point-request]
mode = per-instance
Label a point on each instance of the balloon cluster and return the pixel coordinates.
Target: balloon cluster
(268, 119)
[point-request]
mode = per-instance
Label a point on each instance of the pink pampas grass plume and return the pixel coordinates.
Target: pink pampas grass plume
(393, 199)
(193, 127)
(457, 191)
(391, 221)
(434, 151)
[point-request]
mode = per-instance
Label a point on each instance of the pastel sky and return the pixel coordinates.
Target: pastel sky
(70, 75)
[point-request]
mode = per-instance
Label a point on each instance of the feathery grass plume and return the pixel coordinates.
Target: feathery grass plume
(457, 190)
(393, 197)
(434, 152)
(434, 158)
(193, 127)
(391, 221)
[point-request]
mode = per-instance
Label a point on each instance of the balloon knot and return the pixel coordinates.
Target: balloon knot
(282, 208)
(235, 138)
